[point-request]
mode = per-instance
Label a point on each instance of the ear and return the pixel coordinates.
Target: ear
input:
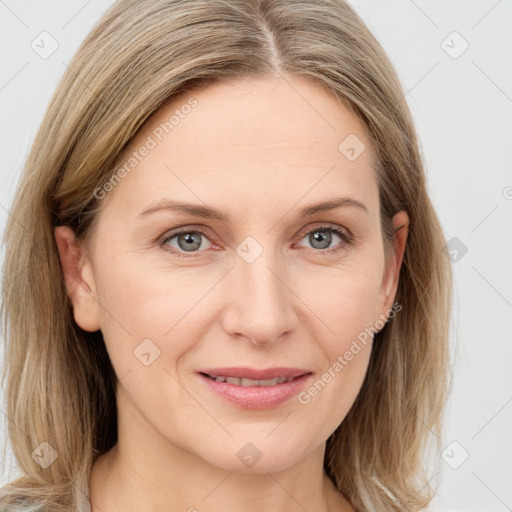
(79, 278)
(392, 270)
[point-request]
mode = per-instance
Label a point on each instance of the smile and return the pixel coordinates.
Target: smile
(255, 389)
(250, 382)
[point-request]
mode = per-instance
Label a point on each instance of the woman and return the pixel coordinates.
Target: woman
(226, 282)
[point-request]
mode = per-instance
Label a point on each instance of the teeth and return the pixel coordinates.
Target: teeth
(251, 382)
(248, 382)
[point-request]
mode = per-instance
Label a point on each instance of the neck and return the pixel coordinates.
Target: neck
(121, 481)
(145, 471)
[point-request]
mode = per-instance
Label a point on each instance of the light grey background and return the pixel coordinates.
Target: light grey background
(462, 106)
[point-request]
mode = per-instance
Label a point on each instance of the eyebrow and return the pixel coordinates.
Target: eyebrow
(207, 212)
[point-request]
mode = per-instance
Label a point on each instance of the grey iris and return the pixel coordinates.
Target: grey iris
(193, 241)
(324, 237)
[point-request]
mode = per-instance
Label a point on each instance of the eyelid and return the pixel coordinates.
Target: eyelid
(319, 226)
(189, 228)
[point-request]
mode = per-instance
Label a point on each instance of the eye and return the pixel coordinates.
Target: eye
(185, 240)
(321, 238)
(193, 240)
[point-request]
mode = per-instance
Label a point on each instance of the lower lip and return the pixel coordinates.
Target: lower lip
(257, 397)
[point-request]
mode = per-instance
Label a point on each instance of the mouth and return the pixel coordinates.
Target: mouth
(255, 389)
(245, 382)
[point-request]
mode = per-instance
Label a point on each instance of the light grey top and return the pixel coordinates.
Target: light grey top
(83, 500)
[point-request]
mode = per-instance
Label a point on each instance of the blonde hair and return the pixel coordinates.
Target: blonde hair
(60, 383)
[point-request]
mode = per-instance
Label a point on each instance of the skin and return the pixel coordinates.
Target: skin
(258, 150)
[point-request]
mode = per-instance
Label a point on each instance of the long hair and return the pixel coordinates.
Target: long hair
(58, 378)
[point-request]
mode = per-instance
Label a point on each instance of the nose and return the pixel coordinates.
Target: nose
(260, 306)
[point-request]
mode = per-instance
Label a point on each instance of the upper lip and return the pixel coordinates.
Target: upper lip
(251, 373)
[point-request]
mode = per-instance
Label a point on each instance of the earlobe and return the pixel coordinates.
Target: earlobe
(78, 277)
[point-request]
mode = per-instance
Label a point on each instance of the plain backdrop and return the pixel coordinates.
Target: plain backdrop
(454, 60)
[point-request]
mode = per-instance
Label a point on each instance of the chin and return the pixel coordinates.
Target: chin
(259, 456)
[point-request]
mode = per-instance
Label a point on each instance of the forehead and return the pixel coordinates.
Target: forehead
(254, 140)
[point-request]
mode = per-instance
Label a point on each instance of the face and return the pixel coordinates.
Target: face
(246, 279)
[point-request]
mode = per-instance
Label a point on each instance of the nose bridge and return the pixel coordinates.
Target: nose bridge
(260, 307)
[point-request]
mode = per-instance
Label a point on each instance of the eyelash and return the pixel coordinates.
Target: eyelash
(345, 236)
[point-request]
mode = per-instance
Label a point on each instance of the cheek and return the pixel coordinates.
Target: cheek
(344, 303)
(140, 303)
(344, 298)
